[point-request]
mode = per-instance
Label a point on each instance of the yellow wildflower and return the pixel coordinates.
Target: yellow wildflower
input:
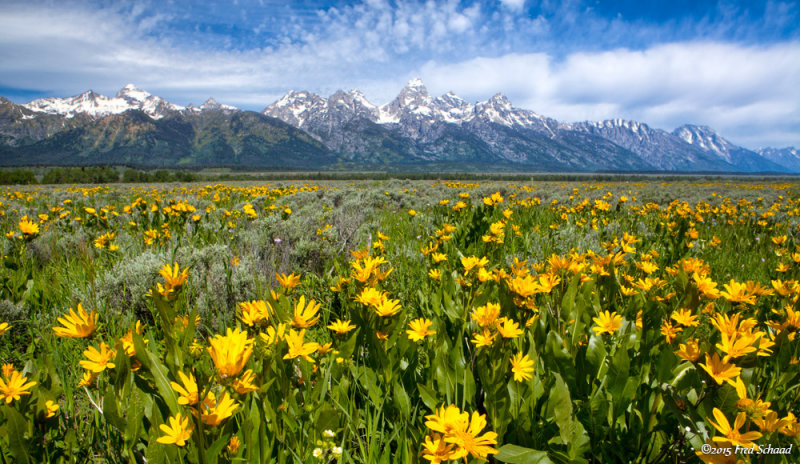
(298, 348)
(731, 434)
(706, 286)
(689, 351)
(508, 328)
(388, 308)
(522, 367)
(244, 384)
(471, 262)
(79, 325)
(607, 322)
(173, 276)
(486, 315)
(28, 227)
(98, 361)
(288, 281)
(341, 327)
(737, 345)
(685, 318)
(736, 292)
(305, 316)
(233, 445)
(273, 335)
(718, 369)
(51, 408)
(669, 331)
(13, 384)
(188, 391)
(214, 411)
(87, 379)
(370, 297)
(177, 432)
(419, 329)
(230, 352)
(254, 311)
(436, 450)
(485, 338)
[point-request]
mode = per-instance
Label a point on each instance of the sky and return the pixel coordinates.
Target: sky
(730, 65)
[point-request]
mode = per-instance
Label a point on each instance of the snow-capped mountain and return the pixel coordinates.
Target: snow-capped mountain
(710, 141)
(208, 135)
(413, 103)
(788, 156)
(128, 98)
(657, 147)
(415, 129)
(296, 107)
(499, 110)
(447, 127)
(211, 105)
(419, 127)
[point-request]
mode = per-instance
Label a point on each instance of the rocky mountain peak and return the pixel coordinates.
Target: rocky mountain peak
(704, 137)
(416, 83)
(294, 98)
(127, 98)
(414, 93)
(133, 93)
(499, 100)
(413, 101)
(351, 104)
(210, 104)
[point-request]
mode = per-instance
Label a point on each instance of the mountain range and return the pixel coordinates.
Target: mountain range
(303, 130)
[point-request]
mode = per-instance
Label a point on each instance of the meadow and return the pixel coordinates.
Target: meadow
(401, 321)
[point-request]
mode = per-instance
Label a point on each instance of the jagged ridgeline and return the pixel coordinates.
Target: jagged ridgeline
(303, 130)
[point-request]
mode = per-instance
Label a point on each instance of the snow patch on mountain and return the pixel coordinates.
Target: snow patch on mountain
(128, 98)
(707, 139)
(413, 103)
(787, 156)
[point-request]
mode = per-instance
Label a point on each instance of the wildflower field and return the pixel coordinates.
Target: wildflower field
(399, 321)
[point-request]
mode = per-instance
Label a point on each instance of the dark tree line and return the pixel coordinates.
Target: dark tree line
(92, 175)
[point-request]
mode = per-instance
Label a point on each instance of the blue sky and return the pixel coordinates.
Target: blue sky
(734, 66)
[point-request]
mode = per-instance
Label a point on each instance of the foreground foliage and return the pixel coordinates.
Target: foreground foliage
(400, 322)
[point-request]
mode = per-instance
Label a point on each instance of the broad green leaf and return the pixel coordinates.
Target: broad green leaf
(514, 454)
(159, 372)
(17, 428)
(428, 396)
(215, 449)
(571, 431)
(401, 399)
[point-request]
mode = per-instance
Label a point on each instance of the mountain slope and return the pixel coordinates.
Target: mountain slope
(788, 157)
(206, 137)
(416, 127)
(659, 148)
(708, 140)
(419, 126)
(306, 131)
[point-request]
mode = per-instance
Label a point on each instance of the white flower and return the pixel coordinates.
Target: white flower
(328, 433)
(336, 450)
(317, 452)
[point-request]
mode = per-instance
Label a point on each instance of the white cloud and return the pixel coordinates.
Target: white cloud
(459, 22)
(513, 4)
